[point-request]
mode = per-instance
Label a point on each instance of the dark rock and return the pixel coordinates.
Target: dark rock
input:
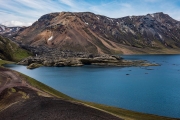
(117, 57)
(34, 65)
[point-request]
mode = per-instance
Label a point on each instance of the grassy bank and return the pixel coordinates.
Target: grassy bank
(127, 114)
(2, 62)
(45, 88)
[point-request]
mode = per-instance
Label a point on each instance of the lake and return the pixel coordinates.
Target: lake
(153, 90)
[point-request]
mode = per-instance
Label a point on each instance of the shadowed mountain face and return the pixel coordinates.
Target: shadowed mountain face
(88, 32)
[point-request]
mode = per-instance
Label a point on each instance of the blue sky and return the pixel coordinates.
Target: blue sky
(25, 12)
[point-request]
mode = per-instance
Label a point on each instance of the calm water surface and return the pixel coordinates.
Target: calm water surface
(154, 90)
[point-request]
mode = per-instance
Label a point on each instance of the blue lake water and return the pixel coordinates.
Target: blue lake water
(153, 90)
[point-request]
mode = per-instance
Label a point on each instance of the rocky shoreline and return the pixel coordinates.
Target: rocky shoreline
(44, 56)
(101, 60)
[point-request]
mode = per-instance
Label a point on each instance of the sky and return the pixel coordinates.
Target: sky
(26, 12)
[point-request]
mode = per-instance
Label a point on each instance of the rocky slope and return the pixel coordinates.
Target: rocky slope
(88, 32)
(9, 50)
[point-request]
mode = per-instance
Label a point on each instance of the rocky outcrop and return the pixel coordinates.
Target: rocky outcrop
(34, 65)
(102, 60)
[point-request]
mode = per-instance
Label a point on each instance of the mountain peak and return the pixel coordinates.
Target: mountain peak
(88, 32)
(48, 16)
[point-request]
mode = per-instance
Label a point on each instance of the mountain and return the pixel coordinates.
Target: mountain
(88, 32)
(9, 50)
(4, 30)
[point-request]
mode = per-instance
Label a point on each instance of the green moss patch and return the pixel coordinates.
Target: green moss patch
(9, 50)
(2, 62)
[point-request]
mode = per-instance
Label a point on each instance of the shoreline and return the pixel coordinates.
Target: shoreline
(121, 113)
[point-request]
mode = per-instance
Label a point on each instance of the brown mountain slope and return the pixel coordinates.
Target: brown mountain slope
(88, 32)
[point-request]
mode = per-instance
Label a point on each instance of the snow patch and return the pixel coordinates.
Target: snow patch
(152, 15)
(110, 19)
(3, 28)
(97, 17)
(86, 23)
(160, 35)
(50, 38)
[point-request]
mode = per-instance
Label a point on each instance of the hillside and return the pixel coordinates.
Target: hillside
(11, 51)
(4, 30)
(88, 32)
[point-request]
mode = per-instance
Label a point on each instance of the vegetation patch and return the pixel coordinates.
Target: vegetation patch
(127, 114)
(9, 50)
(24, 95)
(45, 88)
(2, 62)
(13, 90)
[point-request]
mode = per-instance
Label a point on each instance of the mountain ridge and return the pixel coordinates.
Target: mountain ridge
(88, 32)
(9, 31)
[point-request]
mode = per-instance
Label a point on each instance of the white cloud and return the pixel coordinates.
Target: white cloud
(16, 23)
(68, 2)
(151, 0)
(126, 5)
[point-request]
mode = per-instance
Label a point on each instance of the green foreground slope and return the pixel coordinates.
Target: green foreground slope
(11, 51)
